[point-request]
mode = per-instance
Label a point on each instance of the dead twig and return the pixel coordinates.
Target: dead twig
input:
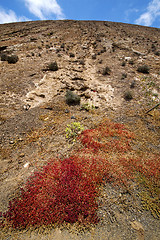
(152, 108)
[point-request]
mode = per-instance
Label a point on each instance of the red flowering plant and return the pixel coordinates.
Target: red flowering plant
(67, 190)
(59, 193)
(107, 136)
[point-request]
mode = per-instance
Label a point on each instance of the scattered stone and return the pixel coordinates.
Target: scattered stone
(26, 165)
(127, 58)
(73, 117)
(26, 107)
(139, 228)
(67, 111)
(22, 155)
(138, 53)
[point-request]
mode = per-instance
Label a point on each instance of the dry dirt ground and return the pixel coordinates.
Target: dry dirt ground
(34, 113)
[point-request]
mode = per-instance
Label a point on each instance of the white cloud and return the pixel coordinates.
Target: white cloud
(10, 16)
(44, 8)
(152, 12)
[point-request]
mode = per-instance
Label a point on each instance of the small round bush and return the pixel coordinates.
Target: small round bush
(157, 53)
(124, 75)
(128, 96)
(123, 64)
(106, 71)
(53, 66)
(4, 57)
(143, 69)
(12, 59)
(72, 98)
(72, 55)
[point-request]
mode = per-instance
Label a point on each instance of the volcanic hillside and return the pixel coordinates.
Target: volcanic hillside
(111, 73)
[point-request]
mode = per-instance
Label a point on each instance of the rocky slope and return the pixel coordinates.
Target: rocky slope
(114, 67)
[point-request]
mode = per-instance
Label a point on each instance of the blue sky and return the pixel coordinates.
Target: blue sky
(141, 12)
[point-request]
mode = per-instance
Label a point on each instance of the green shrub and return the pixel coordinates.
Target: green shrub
(73, 130)
(53, 66)
(72, 55)
(87, 106)
(123, 64)
(12, 59)
(124, 75)
(143, 69)
(72, 98)
(4, 57)
(128, 96)
(157, 53)
(106, 71)
(131, 62)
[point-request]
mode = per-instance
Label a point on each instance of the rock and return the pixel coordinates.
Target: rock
(26, 107)
(22, 155)
(26, 165)
(67, 111)
(139, 228)
(127, 58)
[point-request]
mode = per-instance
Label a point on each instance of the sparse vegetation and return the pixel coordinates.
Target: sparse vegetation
(94, 56)
(59, 178)
(128, 96)
(12, 59)
(123, 64)
(73, 130)
(124, 75)
(143, 69)
(72, 55)
(87, 106)
(66, 190)
(131, 62)
(106, 71)
(157, 53)
(53, 66)
(4, 57)
(72, 98)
